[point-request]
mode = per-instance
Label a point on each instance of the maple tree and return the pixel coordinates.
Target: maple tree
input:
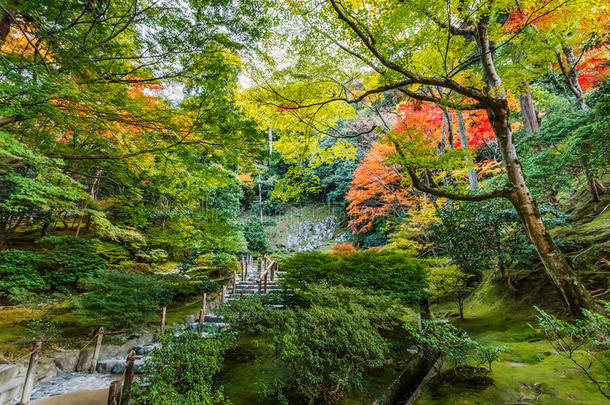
(376, 189)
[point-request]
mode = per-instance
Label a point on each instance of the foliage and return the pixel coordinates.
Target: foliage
(448, 281)
(376, 190)
(249, 315)
(378, 272)
(183, 370)
(585, 342)
(19, 274)
(570, 148)
(68, 260)
(122, 300)
(448, 344)
(255, 236)
(326, 351)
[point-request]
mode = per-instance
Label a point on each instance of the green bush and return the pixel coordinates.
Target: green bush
(184, 369)
(19, 274)
(220, 264)
(379, 272)
(326, 351)
(119, 300)
(248, 315)
(67, 260)
(254, 232)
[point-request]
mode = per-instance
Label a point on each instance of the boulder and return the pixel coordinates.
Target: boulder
(66, 360)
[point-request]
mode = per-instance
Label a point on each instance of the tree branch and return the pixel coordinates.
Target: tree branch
(418, 184)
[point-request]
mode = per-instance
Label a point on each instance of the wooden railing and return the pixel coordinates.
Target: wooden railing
(270, 267)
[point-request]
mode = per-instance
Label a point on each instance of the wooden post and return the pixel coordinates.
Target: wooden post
(266, 276)
(128, 380)
(31, 374)
(234, 282)
(222, 294)
(163, 316)
(273, 271)
(241, 294)
(259, 285)
(204, 302)
(114, 393)
(201, 318)
(98, 347)
(260, 264)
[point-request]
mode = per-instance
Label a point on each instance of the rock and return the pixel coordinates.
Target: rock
(146, 349)
(84, 360)
(213, 318)
(11, 381)
(66, 360)
(108, 365)
(46, 370)
(118, 368)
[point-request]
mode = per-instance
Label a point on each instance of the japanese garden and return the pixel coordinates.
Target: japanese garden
(244, 202)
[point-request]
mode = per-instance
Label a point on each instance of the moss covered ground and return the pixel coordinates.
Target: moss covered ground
(530, 371)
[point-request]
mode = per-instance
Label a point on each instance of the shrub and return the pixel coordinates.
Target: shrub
(67, 260)
(383, 312)
(451, 345)
(379, 272)
(449, 281)
(153, 256)
(183, 370)
(19, 274)
(326, 351)
(248, 315)
(221, 264)
(121, 300)
(254, 232)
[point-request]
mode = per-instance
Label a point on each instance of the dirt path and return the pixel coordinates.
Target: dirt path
(97, 397)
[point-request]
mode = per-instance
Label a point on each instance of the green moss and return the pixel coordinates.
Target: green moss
(530, 371)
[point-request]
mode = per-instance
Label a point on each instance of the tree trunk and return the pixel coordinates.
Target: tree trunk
(528, 111)
(472, 175)
(5, 27)
(460, 302)
(557, 268)
(260, 199)
(449, 122)
(270, 140)
(570, 74)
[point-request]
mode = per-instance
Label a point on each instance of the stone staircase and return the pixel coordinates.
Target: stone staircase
(247, 285)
